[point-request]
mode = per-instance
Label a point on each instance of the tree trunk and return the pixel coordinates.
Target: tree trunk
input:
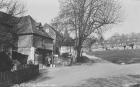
(78, 54)
(78, 49)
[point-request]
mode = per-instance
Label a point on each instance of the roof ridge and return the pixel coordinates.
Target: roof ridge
(29, 19)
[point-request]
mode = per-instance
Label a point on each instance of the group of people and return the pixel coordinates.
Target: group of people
(130, 45)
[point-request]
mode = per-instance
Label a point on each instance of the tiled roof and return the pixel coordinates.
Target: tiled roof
(29, 26)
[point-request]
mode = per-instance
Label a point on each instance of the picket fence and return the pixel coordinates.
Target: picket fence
(19, 76)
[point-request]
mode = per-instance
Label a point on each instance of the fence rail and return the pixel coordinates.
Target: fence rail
(18, 76)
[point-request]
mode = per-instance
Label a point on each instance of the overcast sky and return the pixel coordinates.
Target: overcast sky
(42, 10)
(45, 10)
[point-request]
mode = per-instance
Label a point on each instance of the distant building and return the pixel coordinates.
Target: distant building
(58, 38)
(68, 46)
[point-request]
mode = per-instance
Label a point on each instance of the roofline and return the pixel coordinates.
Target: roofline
(33, 34)
(54, 29)
(31, 19)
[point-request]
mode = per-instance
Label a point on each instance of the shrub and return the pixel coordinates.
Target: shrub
(84, 59)
(65, 56)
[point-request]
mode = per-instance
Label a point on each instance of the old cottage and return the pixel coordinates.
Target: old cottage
(33, 40)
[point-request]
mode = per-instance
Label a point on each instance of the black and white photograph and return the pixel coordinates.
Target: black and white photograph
(69, 43)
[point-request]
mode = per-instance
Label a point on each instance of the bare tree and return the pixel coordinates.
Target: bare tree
(58, 25)
(12, 7)
(3, 4)
(89, 42)
(88, 16)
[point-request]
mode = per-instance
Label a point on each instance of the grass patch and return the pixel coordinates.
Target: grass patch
(110, 82)
(119, 56)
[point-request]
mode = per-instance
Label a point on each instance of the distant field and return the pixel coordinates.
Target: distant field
(119, 56)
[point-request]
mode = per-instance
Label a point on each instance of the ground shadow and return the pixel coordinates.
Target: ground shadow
(43, 76)
(5, 85)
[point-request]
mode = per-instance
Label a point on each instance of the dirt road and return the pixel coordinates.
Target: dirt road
(75, 75)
